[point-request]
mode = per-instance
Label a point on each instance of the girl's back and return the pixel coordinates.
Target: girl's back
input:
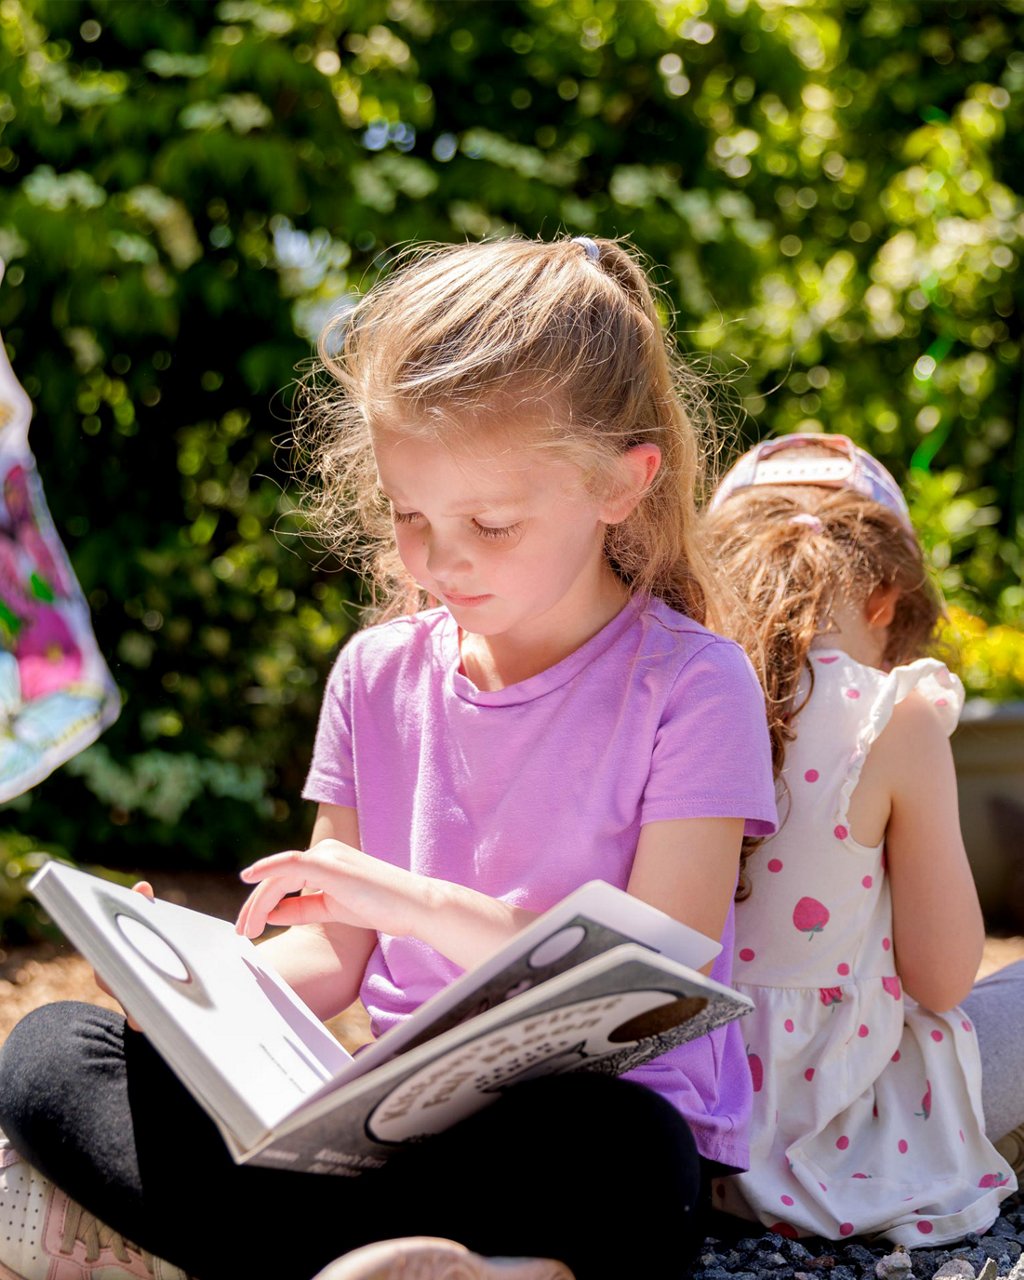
(820, 912)
(873, 1096)
(868, 1105)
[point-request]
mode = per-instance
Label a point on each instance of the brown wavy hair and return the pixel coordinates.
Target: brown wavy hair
(454, 334)
(787, 575)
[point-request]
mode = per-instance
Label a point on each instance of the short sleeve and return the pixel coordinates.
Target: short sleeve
(331, 777)
(712, 756)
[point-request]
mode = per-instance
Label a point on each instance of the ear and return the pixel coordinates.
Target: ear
(880, 608)
(635, 470)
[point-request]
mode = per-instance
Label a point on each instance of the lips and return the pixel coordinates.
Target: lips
(464, 602)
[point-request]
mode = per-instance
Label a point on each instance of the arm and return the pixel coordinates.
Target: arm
(467, 926)
(353, 892)
(938, 932)
(688, 868)
(324, 963)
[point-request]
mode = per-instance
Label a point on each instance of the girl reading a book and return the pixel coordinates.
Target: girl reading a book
(540, 705)
(862, 933)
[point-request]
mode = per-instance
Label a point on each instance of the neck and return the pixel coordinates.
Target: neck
(850, 631)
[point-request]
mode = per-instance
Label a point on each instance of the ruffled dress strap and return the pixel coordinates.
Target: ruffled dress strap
(885, 691)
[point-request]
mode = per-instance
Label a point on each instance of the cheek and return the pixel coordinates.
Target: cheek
(409, 542)
(559, 560)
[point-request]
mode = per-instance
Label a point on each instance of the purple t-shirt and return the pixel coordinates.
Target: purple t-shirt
(527, 792)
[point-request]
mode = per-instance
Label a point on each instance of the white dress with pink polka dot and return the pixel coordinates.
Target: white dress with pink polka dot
(867, 1107)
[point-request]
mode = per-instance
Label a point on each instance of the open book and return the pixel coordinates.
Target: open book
(601, 982)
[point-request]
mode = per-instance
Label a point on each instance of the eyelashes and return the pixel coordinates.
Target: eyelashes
(486, 531)
(493, 531)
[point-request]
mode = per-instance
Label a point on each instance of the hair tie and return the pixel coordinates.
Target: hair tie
(590, 247)
(808, 521)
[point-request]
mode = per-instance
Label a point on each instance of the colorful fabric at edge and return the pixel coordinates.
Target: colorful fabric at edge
(56, 693)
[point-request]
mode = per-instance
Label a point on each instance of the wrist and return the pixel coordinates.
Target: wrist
(428, 903)
(462, 924)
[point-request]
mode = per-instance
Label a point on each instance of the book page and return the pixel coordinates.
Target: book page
(233, 1029)
(613, 1013)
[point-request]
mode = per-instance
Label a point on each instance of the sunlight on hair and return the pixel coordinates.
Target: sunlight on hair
(454, 333)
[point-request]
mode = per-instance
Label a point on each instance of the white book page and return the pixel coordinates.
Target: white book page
(200, 992)
(552, 944)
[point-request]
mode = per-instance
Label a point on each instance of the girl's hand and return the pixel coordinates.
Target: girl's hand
(366, 896)
(342, 886)
(146, 889)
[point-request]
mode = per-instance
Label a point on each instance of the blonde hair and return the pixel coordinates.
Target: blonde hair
(786, 574)
(456, 331)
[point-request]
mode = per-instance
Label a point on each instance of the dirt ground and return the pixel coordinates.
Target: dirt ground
(31, 976)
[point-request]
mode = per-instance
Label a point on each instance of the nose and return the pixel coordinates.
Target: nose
(447, 556)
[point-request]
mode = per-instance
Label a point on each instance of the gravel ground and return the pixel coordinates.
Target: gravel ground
(772, 1257)
(732, 1253)
(37, 975)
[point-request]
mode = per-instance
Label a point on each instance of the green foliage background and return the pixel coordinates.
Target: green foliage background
(188, 189)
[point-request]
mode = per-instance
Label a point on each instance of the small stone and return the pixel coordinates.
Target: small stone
(954, 1269)
(977, 1256)
(989, 1271)
(895, 1265)
(1018, 1271)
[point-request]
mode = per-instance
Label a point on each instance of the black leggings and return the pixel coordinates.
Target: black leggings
(599, 1173)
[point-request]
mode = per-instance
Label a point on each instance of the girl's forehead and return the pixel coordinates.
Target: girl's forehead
(490, 464)
(491, 440)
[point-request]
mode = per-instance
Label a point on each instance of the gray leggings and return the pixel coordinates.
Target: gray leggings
(996, 1007)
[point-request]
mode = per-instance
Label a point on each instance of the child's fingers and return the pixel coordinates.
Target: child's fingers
(292, 873)
(327, 857)
(293, 865)
(337, 884)
(144, 888)
(310, 908)
(252, 919)
(248, 923)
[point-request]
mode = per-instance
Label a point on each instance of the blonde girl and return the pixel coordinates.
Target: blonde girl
(543, 707)
(861, 933)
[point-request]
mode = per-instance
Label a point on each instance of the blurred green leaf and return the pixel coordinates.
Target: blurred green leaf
(832, 191)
